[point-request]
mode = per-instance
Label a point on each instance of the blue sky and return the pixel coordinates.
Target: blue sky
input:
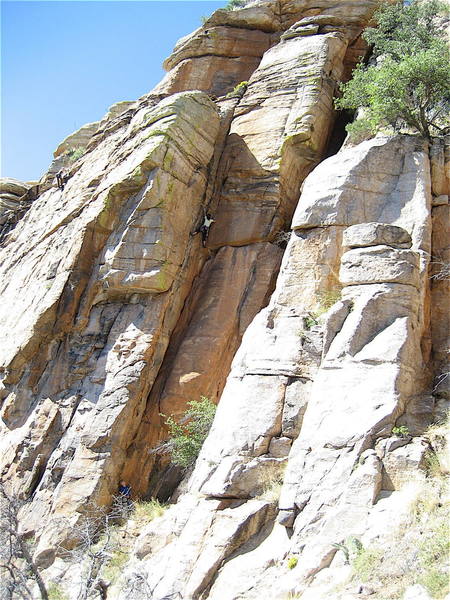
(64, 63)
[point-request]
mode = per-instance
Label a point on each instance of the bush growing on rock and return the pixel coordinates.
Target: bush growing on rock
(75, 154)
(235, 4)
(188, 435)
(146, 511)
(400, 431)
(55, 592)
(239, 90)
(409, 86)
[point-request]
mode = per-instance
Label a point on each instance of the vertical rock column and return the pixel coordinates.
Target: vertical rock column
(440, 272)
(366, 379)
(278, 371)
(93, 317)
(278, 134)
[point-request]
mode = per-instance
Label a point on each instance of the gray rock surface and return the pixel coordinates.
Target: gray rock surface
(376, 234)
(113, 312)
(378, 264)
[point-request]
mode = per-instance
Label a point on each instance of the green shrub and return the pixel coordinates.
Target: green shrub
(410, 84)
(188, 435)
(271, 484)
(436, 581)
(328, 298)
(326, 301)
(401, 431)
(235, 4)
(74, 154)
(351, 548)
(365, 562)
(292, 562)
(309, 321)
(114, 567)
(239, 90)
(433, 465)
(359, 131)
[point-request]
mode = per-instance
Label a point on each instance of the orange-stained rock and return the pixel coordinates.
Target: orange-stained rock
(214, 41)
(96, 279)
(277, 136)
(440, 300)
(216, 75)
(232, 287)
(214, 59)
(228, 47)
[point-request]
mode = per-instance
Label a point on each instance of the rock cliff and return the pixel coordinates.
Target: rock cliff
(316, 314)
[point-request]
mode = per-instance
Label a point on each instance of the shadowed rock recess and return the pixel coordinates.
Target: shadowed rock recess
(112, 314)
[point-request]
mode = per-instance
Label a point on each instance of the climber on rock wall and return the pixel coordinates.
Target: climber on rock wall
(125, 491)
(61, 179)
(204, 228)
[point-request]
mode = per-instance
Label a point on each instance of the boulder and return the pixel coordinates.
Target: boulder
(279, 447)
(215, 58)
(403, 464)
(384, 180)
(78, 140)
(439, 200)
(376, 234)
(300, 31)
(219, 40)
(416, 592)
(11, 192)
(13, 187)
(379, 264)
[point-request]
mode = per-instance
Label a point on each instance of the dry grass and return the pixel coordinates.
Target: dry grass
(272, 492)
(144, 512)
(419, 553)
(439, 437)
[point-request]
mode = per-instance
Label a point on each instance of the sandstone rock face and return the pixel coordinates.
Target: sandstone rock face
(94, 347)
(229, 46)
(267, 157)
(379, 263)
(16, 198)
(402, 461)
(350, 189)
(277, 133)
(113, 315)
(81, 138)
(94, 322)
(375, 234)
(11, 191)
(219, 527)
(334, 391)
(440, 292)
(214, 59)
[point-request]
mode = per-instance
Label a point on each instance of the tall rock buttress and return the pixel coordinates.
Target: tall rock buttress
(120, 315)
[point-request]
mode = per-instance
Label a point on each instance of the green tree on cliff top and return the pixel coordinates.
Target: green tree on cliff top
(409, 86)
